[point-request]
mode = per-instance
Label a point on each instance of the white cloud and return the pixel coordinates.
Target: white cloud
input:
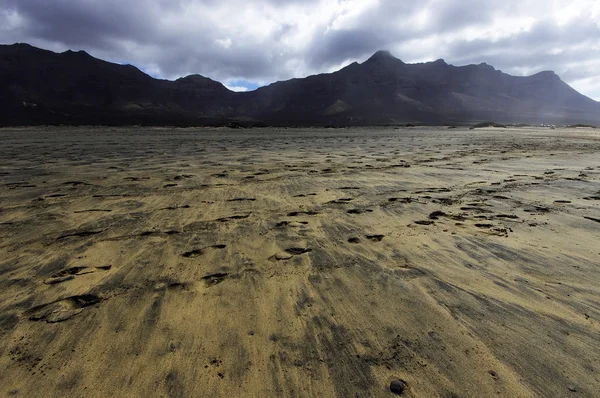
(225, 43)
(236, 88)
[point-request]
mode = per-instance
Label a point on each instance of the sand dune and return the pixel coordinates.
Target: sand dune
(292, 263)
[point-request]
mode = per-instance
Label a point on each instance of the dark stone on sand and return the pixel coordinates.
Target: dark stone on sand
(238, 217)
(436, 215)
(193, 253)
(298, 250)
(215, 279)
(401, 200)
(298, 213)
(537, 209)
(592, 218)
(510, 216)
(424, 222)
(359, 211)
(397, 386)
(484, 225)
(283, 256)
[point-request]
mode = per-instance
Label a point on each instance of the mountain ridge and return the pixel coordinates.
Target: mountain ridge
(73, 87)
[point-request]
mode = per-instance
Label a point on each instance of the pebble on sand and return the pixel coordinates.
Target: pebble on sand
(283, 256)
(397, 386)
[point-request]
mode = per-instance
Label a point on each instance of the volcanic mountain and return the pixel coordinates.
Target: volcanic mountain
(42, 87)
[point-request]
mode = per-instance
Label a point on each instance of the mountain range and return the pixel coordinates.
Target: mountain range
(43, 87)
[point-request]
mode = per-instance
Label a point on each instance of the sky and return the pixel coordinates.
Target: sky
(249, 43)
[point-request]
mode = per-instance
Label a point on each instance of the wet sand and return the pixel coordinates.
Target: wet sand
(292, 263)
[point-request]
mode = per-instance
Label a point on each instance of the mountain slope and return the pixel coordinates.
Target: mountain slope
(385, 90)
(74, 87)
(39, 86)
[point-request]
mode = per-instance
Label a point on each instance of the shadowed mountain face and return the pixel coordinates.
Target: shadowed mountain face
(39, 86)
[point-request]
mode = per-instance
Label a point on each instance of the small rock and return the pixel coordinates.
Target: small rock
(298, 250)
(397, 386)
(424, 222)
(283, 256)
(436, 215)
(572, 388)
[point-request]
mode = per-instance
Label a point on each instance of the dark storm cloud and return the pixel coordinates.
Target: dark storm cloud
(450, 15)
(268, 40)
(543, 47)
(82, 23)
(334, 47)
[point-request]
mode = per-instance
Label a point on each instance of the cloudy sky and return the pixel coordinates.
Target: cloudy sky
(248, 43)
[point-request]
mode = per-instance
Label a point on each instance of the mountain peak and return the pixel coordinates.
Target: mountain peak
(200, 81)
(546, 73)
(196, 79)
(79, 53)
(382, 55)
(22, 45)
(194, 76)
(545, 76)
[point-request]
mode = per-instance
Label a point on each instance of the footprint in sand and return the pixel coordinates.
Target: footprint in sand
(63, 309)
(70, 273)
(507, 216)
(299, 213)
(238, 217)
(293, 224)
(373, 238)
(341, 201)
(199, 252)
(291, 252)
(401, 200)
(78, 234)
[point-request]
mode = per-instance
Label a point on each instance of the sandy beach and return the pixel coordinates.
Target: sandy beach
(151, 262)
